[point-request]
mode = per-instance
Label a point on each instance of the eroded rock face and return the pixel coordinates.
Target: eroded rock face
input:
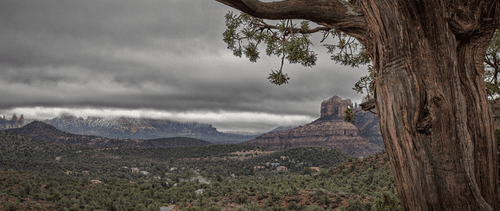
(13, 123)
(334, 106)
(329, 130)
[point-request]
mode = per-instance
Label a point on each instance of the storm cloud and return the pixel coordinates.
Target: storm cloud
(153, 58)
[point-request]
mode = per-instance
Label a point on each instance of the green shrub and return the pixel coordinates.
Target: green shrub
(242, 198)
(9, 206)
(307, 170)
(386, 201)
(355, 206)
(214, 208)
(314, 208)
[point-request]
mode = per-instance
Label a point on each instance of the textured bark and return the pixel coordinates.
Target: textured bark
(432, 104)
(430, 94)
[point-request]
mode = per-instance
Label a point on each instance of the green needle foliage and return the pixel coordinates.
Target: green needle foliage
(367, 83)
(492, 68)
(285, 40)
(289, 41)
(349, 115)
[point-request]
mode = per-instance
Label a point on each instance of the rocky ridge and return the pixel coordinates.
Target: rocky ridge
(143, 128)
(330, 131)
(42, 131)
(132, 128)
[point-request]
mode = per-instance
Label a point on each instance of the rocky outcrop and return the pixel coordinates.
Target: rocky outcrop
(15, 122)
(334, 107)
(329, 130)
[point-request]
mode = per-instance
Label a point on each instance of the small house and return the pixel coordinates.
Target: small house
(203, 180)
(169, 208)
(316, 169)
(258, 167)
(281, 168)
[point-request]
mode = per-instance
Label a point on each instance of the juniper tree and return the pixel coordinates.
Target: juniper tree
(492, 63)
(427, 58)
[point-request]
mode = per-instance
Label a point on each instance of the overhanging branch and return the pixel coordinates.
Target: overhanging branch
(263, 26)
(339, 15)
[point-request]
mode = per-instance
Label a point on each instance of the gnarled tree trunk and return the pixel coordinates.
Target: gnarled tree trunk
(430, 94)
(432, 104)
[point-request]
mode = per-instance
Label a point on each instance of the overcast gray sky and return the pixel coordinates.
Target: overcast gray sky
(151, 58)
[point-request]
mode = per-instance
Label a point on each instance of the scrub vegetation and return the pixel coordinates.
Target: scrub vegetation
(41, 175)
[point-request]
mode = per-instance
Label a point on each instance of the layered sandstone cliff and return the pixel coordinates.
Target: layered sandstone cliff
(329, 130)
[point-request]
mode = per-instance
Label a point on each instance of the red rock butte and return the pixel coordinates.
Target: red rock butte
(330, 130)
(334, 106)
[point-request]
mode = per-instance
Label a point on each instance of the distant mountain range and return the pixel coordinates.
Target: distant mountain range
(42, 131)
(329, 130)
(131, 128)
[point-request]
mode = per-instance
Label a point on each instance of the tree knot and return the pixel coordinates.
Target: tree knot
(464, 21)
(424, 121)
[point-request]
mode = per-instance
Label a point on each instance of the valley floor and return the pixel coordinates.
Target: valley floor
(40, 175)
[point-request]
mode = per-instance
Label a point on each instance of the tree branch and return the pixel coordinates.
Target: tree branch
(368, 105)
(339, 15)
(263, 26)
(489, 63)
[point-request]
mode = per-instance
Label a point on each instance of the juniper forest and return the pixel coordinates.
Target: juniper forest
(432, 79)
